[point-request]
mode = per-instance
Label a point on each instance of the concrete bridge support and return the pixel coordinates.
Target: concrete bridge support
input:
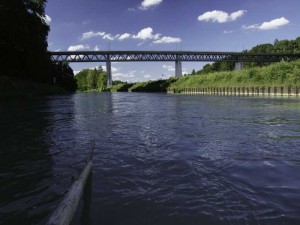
(238, 66)
(109, 75)
(178, 69)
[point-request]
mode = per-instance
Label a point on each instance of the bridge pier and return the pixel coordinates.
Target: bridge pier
(238, 66)
(178, 69)
(109, 75)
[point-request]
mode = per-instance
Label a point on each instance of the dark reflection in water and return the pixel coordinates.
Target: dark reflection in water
(159, 159)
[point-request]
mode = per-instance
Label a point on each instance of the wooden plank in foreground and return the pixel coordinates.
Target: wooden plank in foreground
(64, 213)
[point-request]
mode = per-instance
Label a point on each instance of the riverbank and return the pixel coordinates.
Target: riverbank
(283, 74)
(246, 91)
(18, 88)
(280, 78)
(148, 86)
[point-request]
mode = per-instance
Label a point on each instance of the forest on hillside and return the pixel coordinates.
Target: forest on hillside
(279, 46)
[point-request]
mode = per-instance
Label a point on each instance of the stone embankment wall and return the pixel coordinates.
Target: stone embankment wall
(272, 91)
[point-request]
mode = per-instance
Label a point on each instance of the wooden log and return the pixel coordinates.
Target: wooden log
(64, 213)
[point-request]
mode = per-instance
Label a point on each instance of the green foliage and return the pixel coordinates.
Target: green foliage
(152, 86)
(282, 46)
(278, 74)
(89, 79)
(23, 40)
(119, 86)
(64, 76)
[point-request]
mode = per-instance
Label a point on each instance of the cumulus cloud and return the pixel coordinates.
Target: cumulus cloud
(78, 47)
(96, 48)
(103, 35)
(109, 37)
(92, 34)
(273, 24)
(221, 16)
(146, 4)
(47, 19)
(146, 33)
(124, 36)
(167, 40)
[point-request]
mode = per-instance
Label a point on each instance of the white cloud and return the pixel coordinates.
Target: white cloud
(273, 24)
(167, 40)
(78, 47)
(254, 26)
(103, 35)
(131, 9)
(147, 76)
(146, 4)
(125, 75)
(124, 36)
(146, 33)
(113, 69)
(108, 37)
(227, 32)
(221, 16)
(92, 34)
(47, 19)
(96, 48)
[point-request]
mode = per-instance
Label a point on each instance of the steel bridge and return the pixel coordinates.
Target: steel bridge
(168, 56)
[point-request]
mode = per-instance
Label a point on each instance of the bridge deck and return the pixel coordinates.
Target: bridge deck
(163, 56)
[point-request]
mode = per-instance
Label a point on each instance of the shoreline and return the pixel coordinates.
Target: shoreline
(239, 91)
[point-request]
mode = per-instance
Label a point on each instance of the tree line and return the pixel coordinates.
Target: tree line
(91, 79)
(279, 46)
(23, 44)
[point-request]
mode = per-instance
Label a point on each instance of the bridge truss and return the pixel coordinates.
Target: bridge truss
(162, 56)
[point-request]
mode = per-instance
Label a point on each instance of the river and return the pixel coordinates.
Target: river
(159, 159)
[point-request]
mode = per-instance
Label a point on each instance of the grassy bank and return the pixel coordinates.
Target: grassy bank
(122, 87)
(285, 74)
(149, 86)
(18, 88)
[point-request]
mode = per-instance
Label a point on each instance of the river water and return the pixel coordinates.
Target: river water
(159, 159)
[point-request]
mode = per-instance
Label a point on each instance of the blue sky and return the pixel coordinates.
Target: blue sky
(192, 25)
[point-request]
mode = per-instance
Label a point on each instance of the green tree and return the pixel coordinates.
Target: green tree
(91, 79)
(23, 40)
(63, 76)
(81, 79)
